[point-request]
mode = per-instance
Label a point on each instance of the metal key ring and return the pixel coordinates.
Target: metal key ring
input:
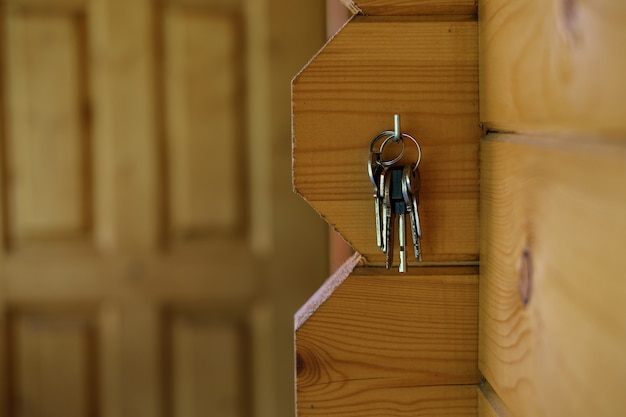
(390, 135)
(397, 158)
(377, 138)
(419, 149)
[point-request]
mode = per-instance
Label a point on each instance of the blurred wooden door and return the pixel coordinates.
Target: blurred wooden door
(129, 285)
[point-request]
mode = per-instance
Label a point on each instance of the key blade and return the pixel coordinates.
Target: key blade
(411, 205)
(417, 250)
(401, 242)
(389, 222)
(374, 169)
(389, 252)
(385, 209)
(414, 232)
(377, 213)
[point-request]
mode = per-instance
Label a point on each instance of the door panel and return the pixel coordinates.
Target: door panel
(46, 125)
(203, 83)
(53, 362)
(201, 347)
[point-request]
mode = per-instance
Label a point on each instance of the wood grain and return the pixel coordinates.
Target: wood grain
(362, 399)
(375, 67)
(552, 293)
(380, 331)
(553, 65)
(412, 7)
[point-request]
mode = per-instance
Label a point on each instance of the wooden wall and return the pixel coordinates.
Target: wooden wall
(371, 341)
(553, 199)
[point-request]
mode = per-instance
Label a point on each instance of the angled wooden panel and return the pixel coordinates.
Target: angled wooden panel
(411, 7)
(427, 72)
(552, 289)
(203, 105)
(52, 363)
(207, 364)
(48, 144)
(553, 65)
(367, 332)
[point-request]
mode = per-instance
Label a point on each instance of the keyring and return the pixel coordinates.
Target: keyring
(397, 158)
(377, 138)
(390, 135)
(417, 145)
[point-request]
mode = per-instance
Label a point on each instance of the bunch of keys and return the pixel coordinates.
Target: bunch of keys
(396, 194)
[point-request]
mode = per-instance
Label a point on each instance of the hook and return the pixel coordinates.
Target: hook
(397, 132)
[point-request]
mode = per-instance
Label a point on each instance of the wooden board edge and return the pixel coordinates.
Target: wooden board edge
(414, 8)
(489, 403)
(352, 6)
(326, 290)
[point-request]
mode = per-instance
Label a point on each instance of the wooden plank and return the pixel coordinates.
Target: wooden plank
(360, 399)
(552, 305)
(425, 71)
(368, 330)
(412, 7)
(553, 65)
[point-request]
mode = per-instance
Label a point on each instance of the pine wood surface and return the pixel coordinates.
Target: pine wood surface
(553, 65)
(553, 234)
(360, 399)
(369, 332)
(426, 72)
(412, 7)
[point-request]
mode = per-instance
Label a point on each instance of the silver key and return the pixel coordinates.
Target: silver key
(388, 223)
(401, 243)
(399, 210)
(383, 209)
(375, 168)
(410, 193)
